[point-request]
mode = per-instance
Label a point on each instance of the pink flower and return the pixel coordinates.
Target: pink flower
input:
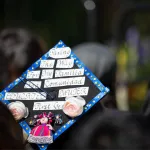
(72, 107)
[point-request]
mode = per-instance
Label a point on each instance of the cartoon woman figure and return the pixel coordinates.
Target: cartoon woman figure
(42, 132)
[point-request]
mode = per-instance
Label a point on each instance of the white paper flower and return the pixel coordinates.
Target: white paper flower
(18, 110)
(73, 106)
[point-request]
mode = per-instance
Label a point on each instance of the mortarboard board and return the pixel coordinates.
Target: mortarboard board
(59, 87)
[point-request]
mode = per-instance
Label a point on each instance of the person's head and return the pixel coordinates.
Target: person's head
(21, 48)
(11, 136)
(102, 62)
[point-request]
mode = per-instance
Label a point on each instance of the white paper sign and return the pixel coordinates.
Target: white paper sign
(53, 105)
(65, 63)
(69, 72)
(47, 73)
(64, 82)
(33, 84)
(25, 96)
(33, 74)
(63, 52)
(80, 91)
(47, 63)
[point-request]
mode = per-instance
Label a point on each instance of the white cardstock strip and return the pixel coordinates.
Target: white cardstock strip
(25, 96)
(47, 63)
(65, 63)
(53, 105)
(47, 73)
(69, 72)
(33, 74)
(64, 82)
(80, 91)
(33, 84)
(63, 52)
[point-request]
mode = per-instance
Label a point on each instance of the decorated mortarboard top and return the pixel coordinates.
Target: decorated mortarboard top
(52, 94)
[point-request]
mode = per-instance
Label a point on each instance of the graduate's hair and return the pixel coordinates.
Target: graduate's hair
(21, 48)
(111, 130)
(11, 136)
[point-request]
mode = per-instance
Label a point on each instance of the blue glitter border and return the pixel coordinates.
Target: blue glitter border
(103, 91)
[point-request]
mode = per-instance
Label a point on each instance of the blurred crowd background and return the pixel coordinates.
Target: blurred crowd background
(112, 37)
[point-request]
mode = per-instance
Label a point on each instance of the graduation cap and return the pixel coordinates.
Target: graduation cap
(52, 94)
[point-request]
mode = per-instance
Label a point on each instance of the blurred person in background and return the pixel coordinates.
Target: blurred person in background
(11, 136)
(3, 70)
(102, 62)
(18, 50)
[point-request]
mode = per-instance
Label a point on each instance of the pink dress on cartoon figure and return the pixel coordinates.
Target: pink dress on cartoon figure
(41, 134)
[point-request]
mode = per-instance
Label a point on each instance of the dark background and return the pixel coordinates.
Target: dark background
(72, 22)
(61, 19)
